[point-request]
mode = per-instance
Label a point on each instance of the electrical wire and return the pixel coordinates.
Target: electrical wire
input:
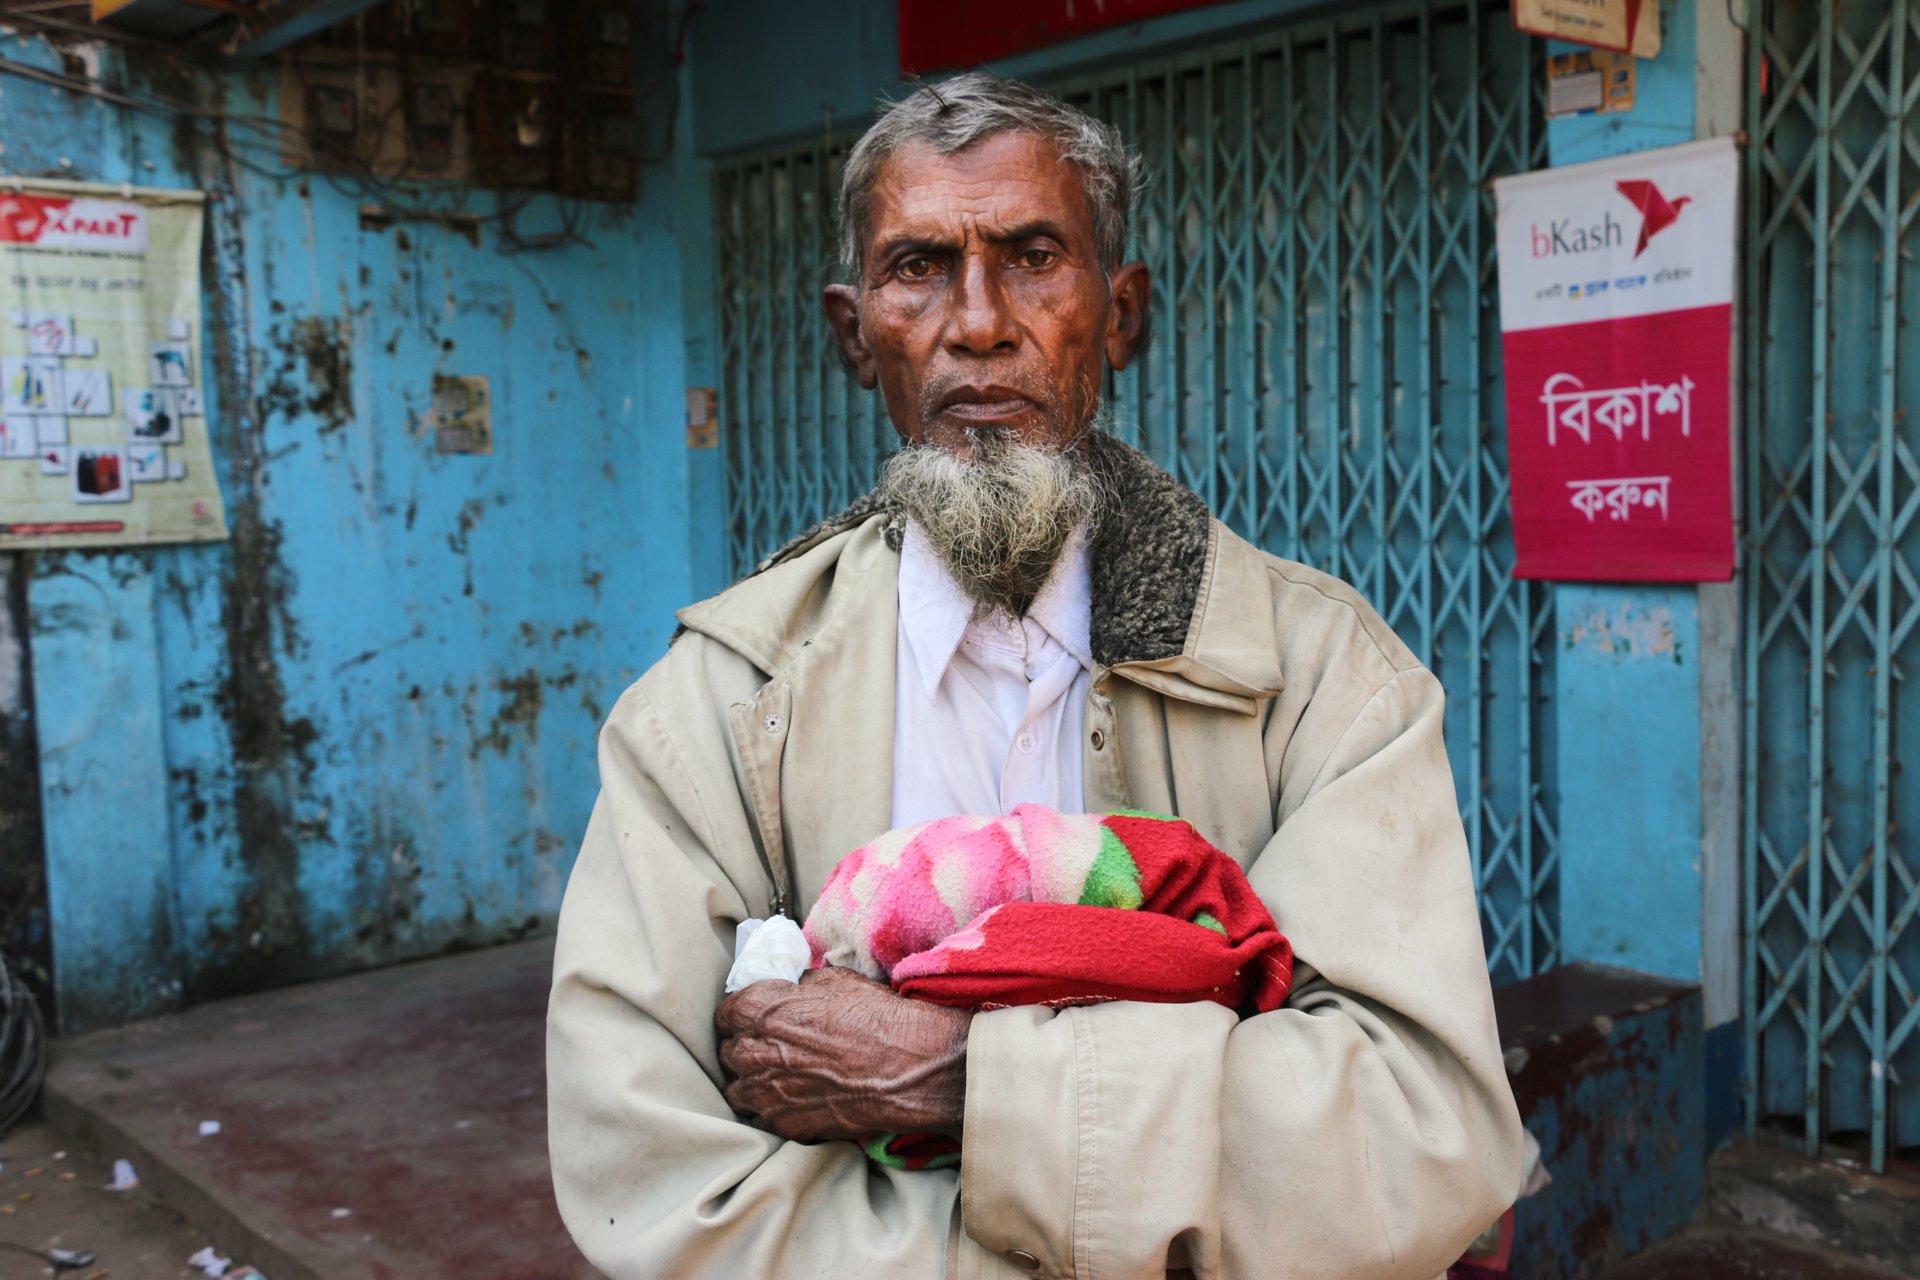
(358, 184)
(675, 61)
(361, 181)
(23, 1046)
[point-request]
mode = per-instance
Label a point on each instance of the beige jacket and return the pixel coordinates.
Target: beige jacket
(1365, 1130)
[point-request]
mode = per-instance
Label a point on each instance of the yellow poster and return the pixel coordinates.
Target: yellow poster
(1625, 26)
(103, 411)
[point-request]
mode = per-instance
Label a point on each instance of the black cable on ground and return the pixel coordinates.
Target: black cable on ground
(23, 1049)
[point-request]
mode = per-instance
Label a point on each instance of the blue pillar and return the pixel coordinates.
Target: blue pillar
(1646, 705)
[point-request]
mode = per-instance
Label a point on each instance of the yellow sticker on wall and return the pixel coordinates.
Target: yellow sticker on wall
(462, 414)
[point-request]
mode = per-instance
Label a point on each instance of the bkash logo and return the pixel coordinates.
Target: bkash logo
(1656, 213)
(1561, 238)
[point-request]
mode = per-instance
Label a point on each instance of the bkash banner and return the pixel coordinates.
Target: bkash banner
(1616, 310)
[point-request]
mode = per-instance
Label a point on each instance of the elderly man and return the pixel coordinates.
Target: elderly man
(1024, 610)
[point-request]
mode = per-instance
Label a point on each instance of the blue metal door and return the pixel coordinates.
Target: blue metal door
(1327, 370)
(1832, 489)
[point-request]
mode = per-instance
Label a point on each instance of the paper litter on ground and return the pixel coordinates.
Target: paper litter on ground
(210, 1263)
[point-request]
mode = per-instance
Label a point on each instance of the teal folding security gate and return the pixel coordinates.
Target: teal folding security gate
(1832, 489)
(1326, 373)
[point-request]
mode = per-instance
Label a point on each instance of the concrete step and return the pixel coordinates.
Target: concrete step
(1829, 1203)
(389, 1124)
(1721, 1251)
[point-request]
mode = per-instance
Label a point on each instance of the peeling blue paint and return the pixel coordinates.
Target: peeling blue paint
(373, 713)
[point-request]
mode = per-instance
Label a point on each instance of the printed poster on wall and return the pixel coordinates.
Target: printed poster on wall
(1616, 306)
(103, 426)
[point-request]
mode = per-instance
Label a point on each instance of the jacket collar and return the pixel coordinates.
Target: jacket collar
(1181, 605)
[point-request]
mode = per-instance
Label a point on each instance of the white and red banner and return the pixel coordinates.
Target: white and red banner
(1616, 306)
(104, 437)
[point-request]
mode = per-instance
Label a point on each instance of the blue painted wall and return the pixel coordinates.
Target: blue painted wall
(1628, 676)
(1644, 682)
(363, 729)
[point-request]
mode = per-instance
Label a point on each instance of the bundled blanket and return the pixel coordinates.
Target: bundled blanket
(1047, 908)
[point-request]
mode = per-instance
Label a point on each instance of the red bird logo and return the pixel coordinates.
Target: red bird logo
(1656, 214)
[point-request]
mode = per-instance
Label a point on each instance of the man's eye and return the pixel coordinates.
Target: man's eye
(917, 268)
(1037, 258)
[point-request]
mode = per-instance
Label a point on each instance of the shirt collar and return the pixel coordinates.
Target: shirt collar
(935, 612)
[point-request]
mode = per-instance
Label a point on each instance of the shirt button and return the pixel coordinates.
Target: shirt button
(1025, 743)
(1022, 1259)
(1099, 740)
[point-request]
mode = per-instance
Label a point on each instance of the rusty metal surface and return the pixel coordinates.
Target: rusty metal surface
(1606, 1068)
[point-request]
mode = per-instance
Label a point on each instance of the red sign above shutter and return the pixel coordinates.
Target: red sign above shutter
(944, 35)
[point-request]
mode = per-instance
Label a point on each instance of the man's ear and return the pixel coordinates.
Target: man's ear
(1127, 323)
(842, 302)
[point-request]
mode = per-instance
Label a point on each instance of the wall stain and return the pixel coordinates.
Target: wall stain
(520, 710)
(321, 349)
(25, 928)
(266, 940)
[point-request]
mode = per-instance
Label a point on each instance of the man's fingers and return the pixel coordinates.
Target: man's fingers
(827, 975)
(746, 1007)
(742, 1009)
(736, 1095)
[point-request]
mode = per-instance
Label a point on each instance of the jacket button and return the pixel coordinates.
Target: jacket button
(1099, 740)
(773, 724)
(1022, 1259)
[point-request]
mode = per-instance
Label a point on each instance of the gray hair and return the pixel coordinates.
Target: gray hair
(969, 108)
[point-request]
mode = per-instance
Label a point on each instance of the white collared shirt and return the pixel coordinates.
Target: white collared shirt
(988, 713)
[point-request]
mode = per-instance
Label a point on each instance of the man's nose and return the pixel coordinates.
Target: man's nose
(980, 320)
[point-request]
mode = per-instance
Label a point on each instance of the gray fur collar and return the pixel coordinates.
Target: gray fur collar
(1149, 552)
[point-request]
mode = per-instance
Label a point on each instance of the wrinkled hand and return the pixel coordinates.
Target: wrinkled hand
(837, 1056)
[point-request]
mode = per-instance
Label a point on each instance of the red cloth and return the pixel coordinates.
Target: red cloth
(1060, 954)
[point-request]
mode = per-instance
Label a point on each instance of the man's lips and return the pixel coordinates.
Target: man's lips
(985, 404)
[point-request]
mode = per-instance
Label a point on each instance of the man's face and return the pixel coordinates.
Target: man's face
(982, 307)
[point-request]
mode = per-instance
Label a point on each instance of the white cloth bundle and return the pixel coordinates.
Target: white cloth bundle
(767, 949)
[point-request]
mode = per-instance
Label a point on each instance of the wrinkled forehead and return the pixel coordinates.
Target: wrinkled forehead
(1004, 184)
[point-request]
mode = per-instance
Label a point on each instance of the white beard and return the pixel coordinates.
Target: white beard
(999, 521)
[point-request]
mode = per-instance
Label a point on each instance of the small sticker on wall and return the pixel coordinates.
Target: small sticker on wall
(30, 384)
(171, 364)
(1589, 82)
(89, 393)
(101, 475)
(151, 415)
(703, 418)
(49, 334)
(54, 461)
(146, 463)
(19, 437)
(461, 415)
